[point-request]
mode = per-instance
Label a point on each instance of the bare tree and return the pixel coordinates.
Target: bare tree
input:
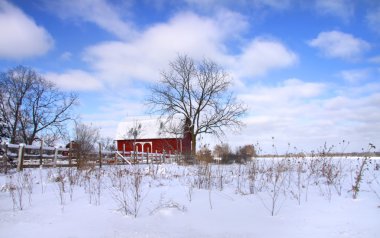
(222, 151)
(107, 143)
(197, 92)
(30, 105)
(50, 138)
(3, 154)
(86, 137)
(247, 152)
(204, 154)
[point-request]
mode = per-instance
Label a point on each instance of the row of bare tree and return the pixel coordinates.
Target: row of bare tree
(224, 154)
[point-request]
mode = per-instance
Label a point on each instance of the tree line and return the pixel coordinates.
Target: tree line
(223, 153)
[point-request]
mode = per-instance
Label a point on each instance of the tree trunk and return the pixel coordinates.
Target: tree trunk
(193, 145)
(14, 128)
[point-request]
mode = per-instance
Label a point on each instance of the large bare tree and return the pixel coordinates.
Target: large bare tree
(31, 106)
(197, 92)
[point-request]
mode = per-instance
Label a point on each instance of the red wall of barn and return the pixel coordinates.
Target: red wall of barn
(158, 145)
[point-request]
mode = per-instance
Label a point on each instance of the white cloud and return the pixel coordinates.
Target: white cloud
(115, 107)
(343, 9)
(230, 23)
(75, 80)
(288, 90)
(187, 33)
(373, 19)
(100, 12)
(355, 75)
(262, 55)
(308, 114)
(144, 57)
(335, 44)
(21, 37)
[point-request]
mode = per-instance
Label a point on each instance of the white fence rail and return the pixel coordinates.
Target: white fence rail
(28, 156)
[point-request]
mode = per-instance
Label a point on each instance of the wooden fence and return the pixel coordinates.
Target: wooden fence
(31, 156)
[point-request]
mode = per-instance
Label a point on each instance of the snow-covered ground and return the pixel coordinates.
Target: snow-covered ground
(308, 198)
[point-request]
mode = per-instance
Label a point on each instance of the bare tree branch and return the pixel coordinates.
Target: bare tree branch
(30, 105)
(199, 94)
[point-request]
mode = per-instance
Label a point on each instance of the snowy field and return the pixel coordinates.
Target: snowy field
(290, 197)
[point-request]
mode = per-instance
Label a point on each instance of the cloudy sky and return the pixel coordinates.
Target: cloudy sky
(309, 71)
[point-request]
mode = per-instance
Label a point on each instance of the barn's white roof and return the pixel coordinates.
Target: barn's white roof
(149, 128)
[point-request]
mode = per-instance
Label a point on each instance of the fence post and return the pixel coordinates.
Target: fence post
(55, 157)
(6, 159)
(20, 158)
(100, 155)
(41, 151)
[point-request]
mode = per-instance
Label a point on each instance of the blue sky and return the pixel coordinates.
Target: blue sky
(308, 70)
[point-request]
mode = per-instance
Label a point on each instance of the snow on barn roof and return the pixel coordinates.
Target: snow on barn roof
(149, 128)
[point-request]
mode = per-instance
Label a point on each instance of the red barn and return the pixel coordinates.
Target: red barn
(154, 135)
